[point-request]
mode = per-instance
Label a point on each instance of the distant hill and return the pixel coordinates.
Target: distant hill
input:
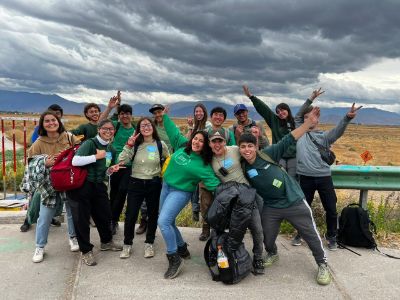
(36, 103)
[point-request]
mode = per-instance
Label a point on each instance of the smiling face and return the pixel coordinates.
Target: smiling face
(125, 118)
(218, 146)
(282, 113)
(242, 116)
(146, 128)
(50, 123)
(106, 131)
(158, 115)
(248, 151)
(197, 143)
(217, 119)
(199, 113)
(93, 114)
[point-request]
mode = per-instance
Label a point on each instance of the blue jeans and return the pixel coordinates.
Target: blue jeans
(172, 201)
(44, 221)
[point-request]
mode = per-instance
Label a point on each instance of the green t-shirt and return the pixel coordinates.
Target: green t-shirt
(97, 170)
(273, 184)
(164, 137)
(121, 137)
(89, 131)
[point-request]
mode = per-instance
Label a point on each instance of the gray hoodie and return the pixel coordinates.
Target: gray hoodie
(309, 161)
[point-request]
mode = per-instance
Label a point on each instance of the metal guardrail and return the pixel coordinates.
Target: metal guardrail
(364, 178)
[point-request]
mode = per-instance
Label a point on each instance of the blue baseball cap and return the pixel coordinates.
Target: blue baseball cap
(239, 107)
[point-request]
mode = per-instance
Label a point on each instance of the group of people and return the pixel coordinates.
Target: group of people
(158, 170)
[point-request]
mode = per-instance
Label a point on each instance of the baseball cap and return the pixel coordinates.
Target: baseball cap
(154, 107)
(216, 134)
(239, 107)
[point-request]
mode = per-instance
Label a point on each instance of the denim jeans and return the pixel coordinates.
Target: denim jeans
(172, 201)
(44, 221)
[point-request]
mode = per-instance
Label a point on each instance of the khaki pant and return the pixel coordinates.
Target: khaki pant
(206, 199)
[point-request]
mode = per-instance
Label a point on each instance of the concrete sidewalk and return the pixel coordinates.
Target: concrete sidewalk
(62, 276)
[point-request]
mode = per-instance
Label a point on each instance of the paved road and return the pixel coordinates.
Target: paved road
(62, 276)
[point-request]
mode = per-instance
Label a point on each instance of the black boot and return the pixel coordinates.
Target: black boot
(142, 226)
(183, 251)
(25, 227)
(205, 232)
(175, 266)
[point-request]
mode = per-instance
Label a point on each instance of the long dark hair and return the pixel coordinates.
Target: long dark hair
(140, 138)
(289, 121)
(206, 153)
(200, 125)
(42, 131)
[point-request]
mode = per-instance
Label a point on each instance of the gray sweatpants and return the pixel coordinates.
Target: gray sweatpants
(300, 216)
(290, 165)
(256, 231)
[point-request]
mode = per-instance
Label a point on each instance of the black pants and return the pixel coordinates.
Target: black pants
(326, 191)
(140, 190)
(90, 200)
(119, 188)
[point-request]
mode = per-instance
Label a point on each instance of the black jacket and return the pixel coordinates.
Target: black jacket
(232, 208)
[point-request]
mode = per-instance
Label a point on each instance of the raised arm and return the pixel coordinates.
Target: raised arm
(336, 132)
(262, 108)
(176, 138)
(299, 118)
(113, 103)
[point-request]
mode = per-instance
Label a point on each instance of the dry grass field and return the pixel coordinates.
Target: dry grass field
(383, 142)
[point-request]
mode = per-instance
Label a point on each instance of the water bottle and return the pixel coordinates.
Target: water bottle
(222, 260)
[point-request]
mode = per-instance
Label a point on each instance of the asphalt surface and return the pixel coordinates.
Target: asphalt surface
(62, 275)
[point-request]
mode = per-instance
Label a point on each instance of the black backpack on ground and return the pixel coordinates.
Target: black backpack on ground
(356, 229)
(239, 260)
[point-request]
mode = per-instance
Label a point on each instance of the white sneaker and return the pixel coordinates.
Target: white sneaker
(148, 250)
(73, 243)
(38, 255)
(126, 251)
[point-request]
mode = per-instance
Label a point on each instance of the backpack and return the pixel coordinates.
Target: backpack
(356, 229)
(63, 175)
(239, 260)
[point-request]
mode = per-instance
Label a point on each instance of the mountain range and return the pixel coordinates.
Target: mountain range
(24, 102)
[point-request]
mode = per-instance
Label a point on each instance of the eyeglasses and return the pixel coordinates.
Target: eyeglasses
(107, 129)
(145, 126)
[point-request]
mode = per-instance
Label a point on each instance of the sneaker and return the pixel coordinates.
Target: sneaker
(196, 216)
(88, 259)
(332, 244)
(323, 275)
(55, 222)
(25, 227)
(258, 267)
(270, 259)
(38, 255)
(110, 246)
(296, 241)
(148, 250)
(205, 233)
(126, 251)
(73, 243)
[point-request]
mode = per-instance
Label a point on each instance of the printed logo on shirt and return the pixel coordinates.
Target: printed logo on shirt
(182, 159)
(277, 183)
(228, 163)
(252, 173)
(108, 159)
(267, 166)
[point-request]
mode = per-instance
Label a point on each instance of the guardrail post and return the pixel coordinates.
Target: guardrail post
(363, 198)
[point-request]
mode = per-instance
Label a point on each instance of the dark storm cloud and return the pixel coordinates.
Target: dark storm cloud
(199, 47)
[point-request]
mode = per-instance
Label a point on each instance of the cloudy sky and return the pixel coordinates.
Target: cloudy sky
(168, 51)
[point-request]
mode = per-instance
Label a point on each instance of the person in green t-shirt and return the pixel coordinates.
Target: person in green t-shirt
(99, 157)
(282, 195)
(119, 181)
(190, 164)
(88, 130)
